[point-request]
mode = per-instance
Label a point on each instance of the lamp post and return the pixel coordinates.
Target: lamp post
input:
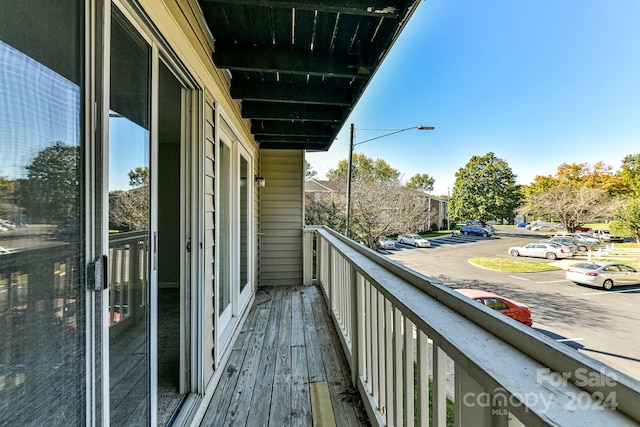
(350, 172)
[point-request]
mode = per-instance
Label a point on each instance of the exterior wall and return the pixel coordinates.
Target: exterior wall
(281, 217)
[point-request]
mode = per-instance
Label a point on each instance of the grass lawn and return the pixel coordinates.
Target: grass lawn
(512, 265)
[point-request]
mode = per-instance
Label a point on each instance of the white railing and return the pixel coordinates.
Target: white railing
(404, 334)
(128, 277)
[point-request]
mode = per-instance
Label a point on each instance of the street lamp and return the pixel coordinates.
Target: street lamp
(349, 172)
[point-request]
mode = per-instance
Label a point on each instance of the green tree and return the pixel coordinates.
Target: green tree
(599, 175)
(309, 173)
(577, 194)
(485, 189)
(8, 209)
(128, 210)
(627, 219)
(51, 191)
(379, 203)
(364, 168)
(630, 172)
(325, 209)
(139, 177)
(574, 205)
(422, 182)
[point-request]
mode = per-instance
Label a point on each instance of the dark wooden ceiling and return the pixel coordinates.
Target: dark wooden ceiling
(299, 67)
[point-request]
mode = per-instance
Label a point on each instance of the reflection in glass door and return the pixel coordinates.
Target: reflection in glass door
(129, 231)
(246, 185)
(42, 214)
(235, 187)
(225, 269)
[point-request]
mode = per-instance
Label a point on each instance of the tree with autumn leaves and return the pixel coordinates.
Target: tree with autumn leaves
(579, 193)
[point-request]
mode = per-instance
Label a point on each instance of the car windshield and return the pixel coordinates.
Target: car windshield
(588, 266)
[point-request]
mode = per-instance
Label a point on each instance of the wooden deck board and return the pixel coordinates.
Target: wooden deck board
(281, 392)
(288, 343)
(261, 398)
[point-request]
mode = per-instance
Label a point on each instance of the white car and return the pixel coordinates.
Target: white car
(414, 240)
(385, 243)
(541, 250)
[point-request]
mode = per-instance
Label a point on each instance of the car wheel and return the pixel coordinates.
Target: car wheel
(551, 255)
(464, 232)
(416, 244)
(553, 230)
(608, 284)
(514, 252)
(582, 248)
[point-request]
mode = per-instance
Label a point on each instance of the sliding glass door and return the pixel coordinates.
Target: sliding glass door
(43, 190)
(234, 238)
(130, 237)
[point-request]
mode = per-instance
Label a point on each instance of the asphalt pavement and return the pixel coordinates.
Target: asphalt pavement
(602, 324)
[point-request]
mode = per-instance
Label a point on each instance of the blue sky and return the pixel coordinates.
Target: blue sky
(539, 83)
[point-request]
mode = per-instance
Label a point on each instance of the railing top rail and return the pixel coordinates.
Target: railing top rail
(129, 236)
(506, 354)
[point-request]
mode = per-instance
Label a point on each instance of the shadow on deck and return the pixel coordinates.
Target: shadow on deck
(287, 347)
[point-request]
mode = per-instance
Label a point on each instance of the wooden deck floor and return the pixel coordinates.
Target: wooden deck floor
(287, 343)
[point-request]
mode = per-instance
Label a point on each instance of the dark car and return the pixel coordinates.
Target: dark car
(474, 231)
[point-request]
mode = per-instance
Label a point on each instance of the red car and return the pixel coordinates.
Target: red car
(513, 309)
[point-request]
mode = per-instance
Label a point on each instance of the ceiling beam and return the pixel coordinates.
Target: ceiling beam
(263, 127)
(294, 146)
(379, 8)
(287, 111)
(318, 140)
(283, 92)
(288, 61)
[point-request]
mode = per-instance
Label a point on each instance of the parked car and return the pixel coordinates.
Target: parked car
(541, 250)
(562, 241)
(521, 225)
(583, 229)
(535, 224)
(487, 226)
(603, 274)
(414, 240)
(508, 307)
(581, 244)
(606, 236)
(579, 238)
(544, 227)
(8, 225)
(385, 243)
(475, 231)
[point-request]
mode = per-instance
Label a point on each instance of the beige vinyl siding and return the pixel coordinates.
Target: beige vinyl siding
(209, 243)
(256, 222)
(281, 217)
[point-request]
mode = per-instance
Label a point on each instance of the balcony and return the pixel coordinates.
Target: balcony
(402, 335)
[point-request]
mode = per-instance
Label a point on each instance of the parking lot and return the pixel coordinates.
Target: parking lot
(598, 323)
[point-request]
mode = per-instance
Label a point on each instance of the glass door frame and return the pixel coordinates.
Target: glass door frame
(225, 322)
(191, 380)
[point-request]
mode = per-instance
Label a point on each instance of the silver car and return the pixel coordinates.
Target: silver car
(385, 243)
(414, 240)
(541, 250)
(603, 274)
